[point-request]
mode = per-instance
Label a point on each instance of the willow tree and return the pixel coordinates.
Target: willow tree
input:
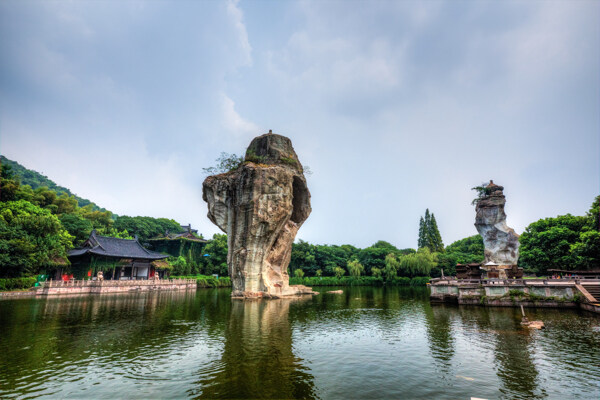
(355, 268)
(391, 266)
(419, 263)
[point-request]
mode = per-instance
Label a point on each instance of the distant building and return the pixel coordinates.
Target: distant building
(186, 244)
(121, 259)
(188, 228)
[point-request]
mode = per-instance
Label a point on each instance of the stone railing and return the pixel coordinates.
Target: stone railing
(115, 283)
(523, 282)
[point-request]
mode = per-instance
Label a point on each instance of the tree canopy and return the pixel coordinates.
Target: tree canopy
(565, 242)
(31, 239)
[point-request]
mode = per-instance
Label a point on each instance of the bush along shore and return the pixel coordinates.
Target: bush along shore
(206, 281)
(23, 283)
(358, 281)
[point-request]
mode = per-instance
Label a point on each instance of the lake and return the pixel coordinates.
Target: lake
(366, 343)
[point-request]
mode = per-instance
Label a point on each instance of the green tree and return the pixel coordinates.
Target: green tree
(594, 215)
(79, 227)
(225, 163)
(435, 237)
(355, 268)
(463, 251)
(338, 272)
(215, 260)
(418, 264)
(586, 252)
(303, 256)
(376, 272)
(429, 234)
(31, 239)
(391, 266)
(422, 236)
(546, 244)
(146, 227)
(298, 273)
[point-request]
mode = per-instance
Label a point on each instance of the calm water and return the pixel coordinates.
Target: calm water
(366, 343)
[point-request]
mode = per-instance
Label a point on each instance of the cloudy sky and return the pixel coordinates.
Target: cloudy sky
(396, 106)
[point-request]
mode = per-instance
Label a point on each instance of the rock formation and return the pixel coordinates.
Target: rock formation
(501, 242)
(260, 205)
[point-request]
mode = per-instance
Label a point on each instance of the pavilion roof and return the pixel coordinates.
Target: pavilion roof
(115, 247)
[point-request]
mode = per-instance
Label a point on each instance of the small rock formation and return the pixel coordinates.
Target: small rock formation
(261, 205)
(501, 242)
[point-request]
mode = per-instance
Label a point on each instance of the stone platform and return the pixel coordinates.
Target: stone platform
(52, 288)
(555, 293)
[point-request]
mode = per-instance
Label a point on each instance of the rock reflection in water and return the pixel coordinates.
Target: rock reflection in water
(257, 360)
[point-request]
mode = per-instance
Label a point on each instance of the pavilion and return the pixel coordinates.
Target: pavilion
(119, 259)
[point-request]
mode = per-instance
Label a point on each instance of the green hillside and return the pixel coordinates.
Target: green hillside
(35, 180)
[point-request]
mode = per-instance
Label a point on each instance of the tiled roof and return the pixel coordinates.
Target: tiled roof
(114, 247)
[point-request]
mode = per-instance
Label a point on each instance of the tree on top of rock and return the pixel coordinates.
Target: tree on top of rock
(429, 234)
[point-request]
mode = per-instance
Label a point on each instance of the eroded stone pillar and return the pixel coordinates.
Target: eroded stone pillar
(260, 205)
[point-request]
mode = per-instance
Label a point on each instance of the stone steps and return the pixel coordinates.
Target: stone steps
(587, 292)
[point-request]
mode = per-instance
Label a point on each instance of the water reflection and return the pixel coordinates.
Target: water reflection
(257, 358)
(439, 334)
(365, 343)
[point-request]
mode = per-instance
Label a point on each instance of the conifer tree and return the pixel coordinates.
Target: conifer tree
(421, 242)
(435, 237)
(429, 234)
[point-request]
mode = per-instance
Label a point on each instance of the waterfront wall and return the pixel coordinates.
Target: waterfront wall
(102, 287)
(513, 293)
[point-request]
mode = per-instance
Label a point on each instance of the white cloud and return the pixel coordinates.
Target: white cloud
(233, 122)
(237, 18)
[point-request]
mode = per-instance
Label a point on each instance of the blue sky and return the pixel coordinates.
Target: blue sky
(395, 106)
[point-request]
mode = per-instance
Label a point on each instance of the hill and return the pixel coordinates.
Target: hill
(35, 180)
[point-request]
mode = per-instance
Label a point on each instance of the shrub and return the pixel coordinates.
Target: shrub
(17, 283)
(205, 281)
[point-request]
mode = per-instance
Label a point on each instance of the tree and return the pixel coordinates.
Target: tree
(419, 263)
(355, 268)
(422, 235)
(77, 226)
(594, 215)
(31, 239)
(216, 255)
(391, 267)
(298, 273)
(338, 272)
(463, 251)
(146, 227)
(429, 234)
(586, 252)
(435, 237)
(225, 163)
(546, 244)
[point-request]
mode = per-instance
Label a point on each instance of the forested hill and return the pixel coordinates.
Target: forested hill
(35, 180)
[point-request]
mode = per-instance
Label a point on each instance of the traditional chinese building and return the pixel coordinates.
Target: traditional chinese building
(119, 259)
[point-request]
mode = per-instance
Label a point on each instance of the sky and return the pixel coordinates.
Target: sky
(396, 106)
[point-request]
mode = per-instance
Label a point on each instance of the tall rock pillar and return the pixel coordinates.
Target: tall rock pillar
(501, 242)
(260, 205)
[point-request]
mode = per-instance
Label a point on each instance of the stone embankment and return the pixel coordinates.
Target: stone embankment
(554, 293)
(75, 287)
